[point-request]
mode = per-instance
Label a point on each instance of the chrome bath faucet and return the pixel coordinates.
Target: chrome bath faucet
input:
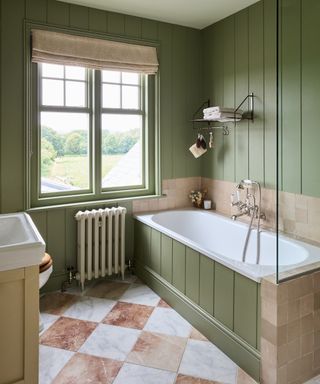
(250, 208)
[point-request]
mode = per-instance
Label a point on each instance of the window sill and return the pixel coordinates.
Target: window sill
(91, 203)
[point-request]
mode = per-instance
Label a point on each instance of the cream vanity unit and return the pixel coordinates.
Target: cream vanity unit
(21, 251)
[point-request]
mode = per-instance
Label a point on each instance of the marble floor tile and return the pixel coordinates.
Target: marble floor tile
(129, 315)
(183, 379)
(196, 335)
(51, 361)
(56, 303)
(140, 294)
(315, 380)
(204, 360)
(110, 342)
(137, 374)
(158, 351)
(163, 304)
(169, 322)
(90, 309)
(86, 369)
(47, 320)
(107, 289)
(244, 378)
(67, 333)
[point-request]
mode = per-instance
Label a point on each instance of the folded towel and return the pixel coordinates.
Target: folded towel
(220, 115)
(219, 109)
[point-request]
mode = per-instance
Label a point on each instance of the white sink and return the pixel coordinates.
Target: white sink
(21, 244)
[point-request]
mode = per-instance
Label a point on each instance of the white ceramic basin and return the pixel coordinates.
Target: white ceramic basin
(21, 244)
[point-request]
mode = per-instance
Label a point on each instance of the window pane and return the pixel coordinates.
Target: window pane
(75, 94)
(52, 92)
(121, 150)
(130, 97)
(130, 78)
(64, 151)
(111, 76)
(110, 96)
(76, 73)
(52, 70)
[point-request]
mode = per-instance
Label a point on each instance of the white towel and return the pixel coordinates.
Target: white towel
(218, 109)
(220, 115)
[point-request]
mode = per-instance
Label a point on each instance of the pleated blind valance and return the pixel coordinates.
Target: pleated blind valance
(61, 48)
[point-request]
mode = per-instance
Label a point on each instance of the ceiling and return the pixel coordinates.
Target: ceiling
(191, 13)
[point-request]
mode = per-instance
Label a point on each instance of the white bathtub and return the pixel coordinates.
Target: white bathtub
(222, 239)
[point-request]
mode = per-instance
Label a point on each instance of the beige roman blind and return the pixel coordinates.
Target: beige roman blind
(61, 48)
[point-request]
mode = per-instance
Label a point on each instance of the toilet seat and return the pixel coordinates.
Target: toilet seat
(46, 263)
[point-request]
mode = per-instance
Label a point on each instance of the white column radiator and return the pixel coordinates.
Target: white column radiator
(101, 243)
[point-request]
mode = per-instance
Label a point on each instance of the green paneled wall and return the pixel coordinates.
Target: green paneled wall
(240, 57)
(229, 299)
(180, 82)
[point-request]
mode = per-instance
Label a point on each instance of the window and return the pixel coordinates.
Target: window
(121, 129)
(93, 136)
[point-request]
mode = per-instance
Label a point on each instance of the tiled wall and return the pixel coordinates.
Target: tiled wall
(176, 195)
(290, 330)
(299, 215)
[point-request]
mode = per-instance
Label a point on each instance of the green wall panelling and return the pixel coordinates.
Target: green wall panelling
(179, 96)
(138, 242)
(179, 266)
(149, 29)
(259, 318)
(206, 298)
(245, 308)
(71, 237)
(270, 91)
(166, 110)
(256, 128)
(192, 274)
(224, 295)
(132, 26)
(58, 13)
(36, 10)
(310, 62)
(218, 97)
(116, 23)
(194, 75)
(97, 20)
(40, 220)
(291, 95)
(240, 352)
(228, 95)
(79, 16)
(207, 81)
(155, 251)
(241, 89)
(166, 258)
(56, 239)
(146, 244)
(248, 66)
(12, 122)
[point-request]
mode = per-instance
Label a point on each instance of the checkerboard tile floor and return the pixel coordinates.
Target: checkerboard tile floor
(123, 333)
